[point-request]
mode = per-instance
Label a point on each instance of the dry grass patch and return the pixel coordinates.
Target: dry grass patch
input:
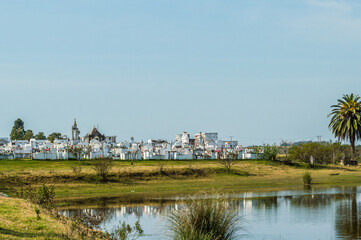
(18, 220)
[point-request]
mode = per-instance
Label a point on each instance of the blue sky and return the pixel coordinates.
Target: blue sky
(260, 71)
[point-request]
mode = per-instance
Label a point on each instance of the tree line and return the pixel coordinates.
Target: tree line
(18, 132)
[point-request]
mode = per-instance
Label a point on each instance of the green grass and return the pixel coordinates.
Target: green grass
(18, 220)
(158, 178)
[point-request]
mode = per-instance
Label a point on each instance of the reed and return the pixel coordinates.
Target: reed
(205, 219)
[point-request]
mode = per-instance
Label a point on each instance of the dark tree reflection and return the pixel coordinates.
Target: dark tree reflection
(312, 201)
(265, 202)
(92, 217)
(348, 217)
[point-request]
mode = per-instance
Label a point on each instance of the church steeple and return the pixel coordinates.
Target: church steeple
(75, 125)
(75, 131)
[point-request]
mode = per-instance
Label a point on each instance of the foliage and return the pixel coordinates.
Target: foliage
(76, 151)
(307, 179)
(284, 147)
(18, 131)
(258, 151)
(45, 196)
(40, 136)
(229, 160)
(270, 152)
(53, 136)
(204, 219)
(37, 211)
(102, 167)
(345, 121)
(124, 231)
(28, 135)
(322, 153)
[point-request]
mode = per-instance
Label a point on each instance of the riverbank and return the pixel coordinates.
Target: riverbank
(158, 179)
(18, 220)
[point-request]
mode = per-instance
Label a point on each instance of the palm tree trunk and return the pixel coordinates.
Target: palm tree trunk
(352, 141)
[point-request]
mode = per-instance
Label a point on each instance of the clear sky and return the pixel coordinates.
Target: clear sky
(260, 71)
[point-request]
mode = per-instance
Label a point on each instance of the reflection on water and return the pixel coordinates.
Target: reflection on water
(332, 213)
(348, 216)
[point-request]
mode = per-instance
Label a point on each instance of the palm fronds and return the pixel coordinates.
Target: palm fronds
(345, 121)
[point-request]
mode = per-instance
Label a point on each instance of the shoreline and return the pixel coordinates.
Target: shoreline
(139, 201)
(159, 179)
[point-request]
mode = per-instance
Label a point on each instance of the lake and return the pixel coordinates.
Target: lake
(310, 213)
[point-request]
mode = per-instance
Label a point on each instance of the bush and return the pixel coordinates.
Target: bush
(102, 167)
(307, 179)
(204, 219)
(45, 196)
(37, 211)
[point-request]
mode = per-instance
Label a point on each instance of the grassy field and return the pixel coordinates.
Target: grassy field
(153, 179)
(18, 220)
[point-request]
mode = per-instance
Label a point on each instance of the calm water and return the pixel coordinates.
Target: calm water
(331, 213)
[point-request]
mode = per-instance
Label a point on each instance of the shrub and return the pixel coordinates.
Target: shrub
(307, 179)
(102, 167)
(37, 211)
(45, 196)
(204, 219)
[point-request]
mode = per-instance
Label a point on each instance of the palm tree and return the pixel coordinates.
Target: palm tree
(346, 120)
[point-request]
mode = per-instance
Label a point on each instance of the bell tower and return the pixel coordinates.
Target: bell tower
(75, 131)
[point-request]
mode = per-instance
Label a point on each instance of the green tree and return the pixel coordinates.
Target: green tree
(53, 136)
(270, 152)
(28, 135)
(18, 131)
(322, 153)
(229, 160)
(345, 121)
(40, 136)
(258, 151)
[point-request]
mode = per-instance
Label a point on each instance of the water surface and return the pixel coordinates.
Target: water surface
(322, 213)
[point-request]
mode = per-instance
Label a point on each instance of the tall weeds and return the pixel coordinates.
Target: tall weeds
(210, 219)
